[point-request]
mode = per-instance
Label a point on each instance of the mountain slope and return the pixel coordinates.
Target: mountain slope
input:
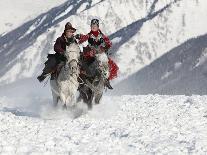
(15, 13)
(142, 31)
(181, 71)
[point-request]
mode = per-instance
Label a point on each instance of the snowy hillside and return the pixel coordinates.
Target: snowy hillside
(180, 71)
(160, 31)
(120, 125)
(141, 30)
(15, 13)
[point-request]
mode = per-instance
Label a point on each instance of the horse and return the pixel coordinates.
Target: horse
(65, 87)
(94, 80)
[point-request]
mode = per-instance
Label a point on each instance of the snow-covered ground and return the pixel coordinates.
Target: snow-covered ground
(119, 125)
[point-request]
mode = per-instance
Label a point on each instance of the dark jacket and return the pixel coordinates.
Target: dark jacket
(61, 42)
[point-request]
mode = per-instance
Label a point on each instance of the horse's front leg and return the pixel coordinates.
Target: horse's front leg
(63, 100)
(98, 98)
(70, 103)
(90, 99)
(55, 99)
(55, 93)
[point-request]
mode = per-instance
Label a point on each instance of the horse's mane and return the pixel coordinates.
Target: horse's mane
(73, 47)
(72, 51)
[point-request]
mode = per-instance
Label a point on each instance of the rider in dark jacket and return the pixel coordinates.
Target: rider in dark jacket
(55, 60)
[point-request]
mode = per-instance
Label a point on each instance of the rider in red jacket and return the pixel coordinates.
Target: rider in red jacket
(97, 41)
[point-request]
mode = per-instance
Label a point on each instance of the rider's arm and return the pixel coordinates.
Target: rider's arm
(82, 38)
(57, 46)
(108, 43)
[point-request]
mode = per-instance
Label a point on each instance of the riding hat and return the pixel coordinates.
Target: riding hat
(95, 22)
(68, 26)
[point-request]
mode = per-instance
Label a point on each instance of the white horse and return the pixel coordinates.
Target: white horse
(66, 85)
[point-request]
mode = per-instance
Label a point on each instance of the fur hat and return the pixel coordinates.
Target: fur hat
(68, 26)
(95, 22)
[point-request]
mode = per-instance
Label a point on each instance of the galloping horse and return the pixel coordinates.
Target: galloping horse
(94, 80)
(65, 87)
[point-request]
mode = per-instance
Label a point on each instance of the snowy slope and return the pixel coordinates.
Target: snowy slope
(170, 28)
(120, 125)
(15, 13)
(142, 31)
(182, 70)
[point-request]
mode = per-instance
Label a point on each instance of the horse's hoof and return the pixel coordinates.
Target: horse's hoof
(73, 107)
(64, 107)
(97, 102)
(54, 105)
(90, 107)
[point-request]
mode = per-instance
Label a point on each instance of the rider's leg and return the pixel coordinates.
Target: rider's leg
(50, 65)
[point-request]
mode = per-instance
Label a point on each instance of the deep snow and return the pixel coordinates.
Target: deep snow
(141, 30)
(143, 124)
(119, 125)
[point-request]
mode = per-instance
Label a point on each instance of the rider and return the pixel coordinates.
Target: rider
(97, 41)
(56, 61)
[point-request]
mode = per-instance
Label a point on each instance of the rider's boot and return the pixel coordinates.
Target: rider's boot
(50, 66)
(108, 85)
(42, 77)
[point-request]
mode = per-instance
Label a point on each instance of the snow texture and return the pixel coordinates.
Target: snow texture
(143, 124)
(119, 125)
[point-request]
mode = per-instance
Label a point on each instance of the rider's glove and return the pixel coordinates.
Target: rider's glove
(101, 40)
(67, 43)
(78, 36)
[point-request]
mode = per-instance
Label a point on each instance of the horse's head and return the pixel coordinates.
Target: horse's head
(72, 54)
(102, 60)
